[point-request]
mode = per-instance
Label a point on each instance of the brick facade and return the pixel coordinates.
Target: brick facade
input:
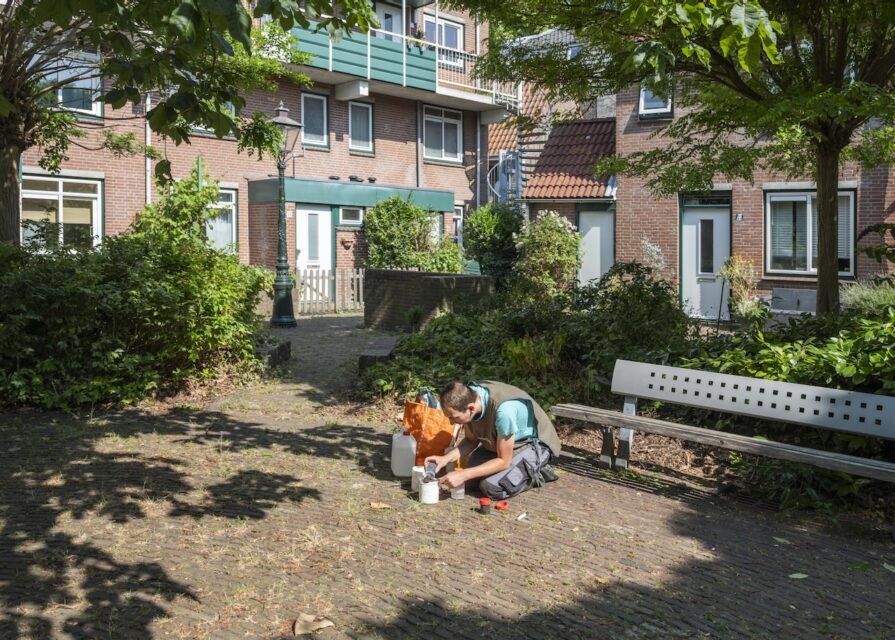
(397, 160)
(639, 215)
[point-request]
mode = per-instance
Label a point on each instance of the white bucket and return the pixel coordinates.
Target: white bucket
(429, 492)
(416, 474)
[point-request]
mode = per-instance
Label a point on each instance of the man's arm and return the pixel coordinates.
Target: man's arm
(489, 468)
(467, 446)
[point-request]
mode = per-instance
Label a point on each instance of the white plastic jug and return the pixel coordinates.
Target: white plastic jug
(403, 454)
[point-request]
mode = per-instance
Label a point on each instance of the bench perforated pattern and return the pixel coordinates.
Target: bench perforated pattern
(862, 413)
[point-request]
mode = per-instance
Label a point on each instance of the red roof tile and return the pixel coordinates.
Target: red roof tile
(565, 166)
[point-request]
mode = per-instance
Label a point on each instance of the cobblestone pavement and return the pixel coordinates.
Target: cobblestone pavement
(229, 521)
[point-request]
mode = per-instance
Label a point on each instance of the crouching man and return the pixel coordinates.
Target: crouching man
(508, 439)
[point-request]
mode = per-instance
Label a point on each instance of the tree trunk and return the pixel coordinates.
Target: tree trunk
(827, 229)
(10, 225)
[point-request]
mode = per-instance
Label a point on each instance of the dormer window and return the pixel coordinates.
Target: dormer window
(653, 106)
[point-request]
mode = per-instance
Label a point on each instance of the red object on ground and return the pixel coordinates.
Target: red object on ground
(484, 501)
(503, 504)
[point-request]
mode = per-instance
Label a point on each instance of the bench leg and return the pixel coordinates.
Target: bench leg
(626, 436)
(608, 450)
(625, 440)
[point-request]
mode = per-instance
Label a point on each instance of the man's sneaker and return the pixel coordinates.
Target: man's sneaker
(548, 473)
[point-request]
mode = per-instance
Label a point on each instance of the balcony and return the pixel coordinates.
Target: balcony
(399, 65)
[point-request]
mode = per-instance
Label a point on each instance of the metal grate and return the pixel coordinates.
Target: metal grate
(863, 413)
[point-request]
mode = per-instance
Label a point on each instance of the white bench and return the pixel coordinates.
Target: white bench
(848, 411)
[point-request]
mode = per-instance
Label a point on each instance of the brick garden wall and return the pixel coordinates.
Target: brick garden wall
(389, 295)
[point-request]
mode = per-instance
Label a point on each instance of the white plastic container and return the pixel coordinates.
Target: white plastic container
(458, 493)
(416, 474)
(403, 454)
(429, 492)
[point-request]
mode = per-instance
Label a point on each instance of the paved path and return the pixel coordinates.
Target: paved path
(228, 522)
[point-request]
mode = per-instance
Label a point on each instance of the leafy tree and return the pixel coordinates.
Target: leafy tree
(197, 58)
(401, 235)
(549, 250)
(793, 86)
(489, 239)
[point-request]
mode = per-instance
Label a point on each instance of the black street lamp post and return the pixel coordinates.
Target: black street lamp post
(283, 315)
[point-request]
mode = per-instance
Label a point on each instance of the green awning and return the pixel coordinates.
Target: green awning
(347, 194)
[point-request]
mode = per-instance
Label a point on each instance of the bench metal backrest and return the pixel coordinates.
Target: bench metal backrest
(862, 413)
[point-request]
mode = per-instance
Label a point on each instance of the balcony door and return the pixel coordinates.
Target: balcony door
(391, 21)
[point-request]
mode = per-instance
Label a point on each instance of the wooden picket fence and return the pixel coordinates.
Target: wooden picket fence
(323, 291)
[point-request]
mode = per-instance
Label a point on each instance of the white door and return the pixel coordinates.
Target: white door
(390, 20)
(597, 244)
(313, 226)
(705, 245)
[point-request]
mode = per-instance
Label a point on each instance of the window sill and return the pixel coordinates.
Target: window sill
(447, 163)
(205, 134)
(81, 116)
(314, 147)
(366, 153)
(649, 117)
(792, 277)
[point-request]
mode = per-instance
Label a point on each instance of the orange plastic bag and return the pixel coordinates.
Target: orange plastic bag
(429, 426)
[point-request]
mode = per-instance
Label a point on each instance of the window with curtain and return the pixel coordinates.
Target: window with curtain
(360, 126)
(69, 209)
(791, 234)
(221, 229)
(314, 131)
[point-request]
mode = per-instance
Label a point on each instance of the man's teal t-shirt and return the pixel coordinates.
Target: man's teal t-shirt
(514, 417)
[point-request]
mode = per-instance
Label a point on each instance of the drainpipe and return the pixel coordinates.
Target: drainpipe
(419, 139)
(478, 157)
(147, 142)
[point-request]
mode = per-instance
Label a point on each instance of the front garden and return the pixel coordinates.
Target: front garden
(559, 341)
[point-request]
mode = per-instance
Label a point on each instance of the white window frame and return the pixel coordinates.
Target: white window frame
(360, 217)
(655, 112)
(807, 197)
(81, 59)
(202, 129)
(459, 215)
(441, 120)
(351, 142)
(233, 206)
(60, 194)
(316, 143)
(444, 57)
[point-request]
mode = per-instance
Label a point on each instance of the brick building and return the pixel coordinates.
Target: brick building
(388, 113)
(771, 221)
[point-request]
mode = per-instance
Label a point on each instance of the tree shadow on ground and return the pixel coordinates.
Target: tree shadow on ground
(738, 575)
(51, 472)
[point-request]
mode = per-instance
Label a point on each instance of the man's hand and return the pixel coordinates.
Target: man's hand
(439, 461)
(454, 479)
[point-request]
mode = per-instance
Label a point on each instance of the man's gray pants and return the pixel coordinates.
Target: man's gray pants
(523, 473)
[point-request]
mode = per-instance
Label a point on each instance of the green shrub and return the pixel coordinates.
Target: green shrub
(869, 297)
(399, 235)
(489, 238)
(627, 314)
(549, 258)
(146, 311)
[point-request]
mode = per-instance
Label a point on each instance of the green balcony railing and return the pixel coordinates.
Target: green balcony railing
(378, 56)
(401, 60)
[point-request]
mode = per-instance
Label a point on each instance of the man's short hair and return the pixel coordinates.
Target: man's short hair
(457, 396)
